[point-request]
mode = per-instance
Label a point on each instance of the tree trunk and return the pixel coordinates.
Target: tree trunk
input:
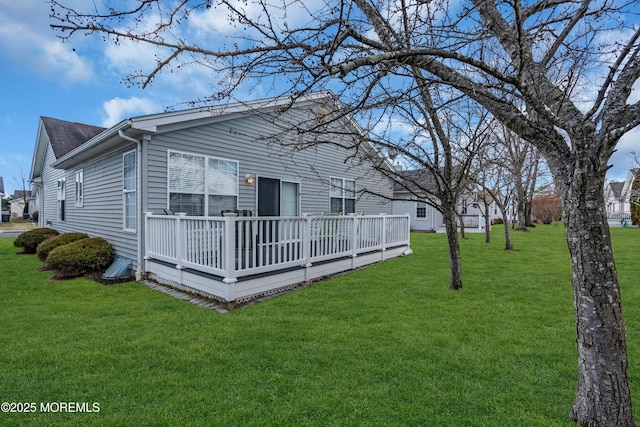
(522, 217)
(603, 397)
(487, 222)
(508, 246)
(449, 217)
(528, 217)
(461, 222)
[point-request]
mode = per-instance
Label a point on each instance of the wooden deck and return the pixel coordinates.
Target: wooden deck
(241, 258)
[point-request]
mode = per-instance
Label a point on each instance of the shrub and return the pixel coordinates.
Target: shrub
(29, 240)
(49, 244)
(547, 209)
(635, 201)
(80, 257)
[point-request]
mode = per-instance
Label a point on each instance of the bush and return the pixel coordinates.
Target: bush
(50, 244)
(635, 201)
(547, 209)
(29, 240)
(80, 257)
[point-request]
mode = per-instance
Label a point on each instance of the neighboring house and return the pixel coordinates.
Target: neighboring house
(614, 197)
(425, 217)
(20, 203)
(200, 162)
(617, 195)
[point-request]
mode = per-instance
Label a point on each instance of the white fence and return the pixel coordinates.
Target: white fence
(619, 216)
(233, 247)
(470, 221)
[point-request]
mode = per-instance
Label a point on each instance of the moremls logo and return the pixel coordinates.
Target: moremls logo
(69, 407)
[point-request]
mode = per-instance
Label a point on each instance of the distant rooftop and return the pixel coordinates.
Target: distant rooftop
(20, 194)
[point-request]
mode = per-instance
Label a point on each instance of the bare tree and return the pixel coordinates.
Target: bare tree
(540, 53)
(446, 135)
(525, 165)
(498, 185)
(22, 183)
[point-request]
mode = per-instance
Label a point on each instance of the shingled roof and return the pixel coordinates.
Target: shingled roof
(616, 188)
(415, 181)
(21, 194)
(66, 136)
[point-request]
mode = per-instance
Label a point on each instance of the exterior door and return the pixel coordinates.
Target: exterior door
(268, 197)
(276, 197)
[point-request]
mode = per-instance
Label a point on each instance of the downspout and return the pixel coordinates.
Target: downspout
(138, 143)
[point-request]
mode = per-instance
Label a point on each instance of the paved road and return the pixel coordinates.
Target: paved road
(10, 233)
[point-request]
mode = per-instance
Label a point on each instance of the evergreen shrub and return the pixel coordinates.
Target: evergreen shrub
(29, 240)
(80, 257)
(50, 244)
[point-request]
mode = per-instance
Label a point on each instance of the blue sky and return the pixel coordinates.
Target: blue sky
(83, 82)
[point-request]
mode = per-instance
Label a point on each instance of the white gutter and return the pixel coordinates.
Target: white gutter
(138, 196)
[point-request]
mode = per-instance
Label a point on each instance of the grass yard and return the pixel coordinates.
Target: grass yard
(389, 345)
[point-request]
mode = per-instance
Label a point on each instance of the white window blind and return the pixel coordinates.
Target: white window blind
(79, 189)
(129, 190)
(202, 185)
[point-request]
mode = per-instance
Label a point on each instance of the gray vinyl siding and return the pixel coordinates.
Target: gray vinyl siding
(240, 139)
(50, 179)
(102, 211)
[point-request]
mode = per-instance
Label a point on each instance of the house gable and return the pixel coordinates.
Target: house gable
(66, 136)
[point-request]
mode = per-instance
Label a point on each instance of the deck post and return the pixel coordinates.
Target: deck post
(229, 245)
(147, 240)
(306, 246)
(384, 236)
(180, 240)
(354, 240)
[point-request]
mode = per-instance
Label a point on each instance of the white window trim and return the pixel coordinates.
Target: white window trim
(61, 197)
(420, 204)
(79, 188)
(343, 191)
(206, 178)
(129, 191)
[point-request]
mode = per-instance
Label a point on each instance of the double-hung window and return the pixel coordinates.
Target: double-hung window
(421, 209)
(129, 190)
(61, 199)
(79, 189)
(202, 185)
(343, 195)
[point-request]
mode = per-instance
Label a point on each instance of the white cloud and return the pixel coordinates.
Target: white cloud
(118, 109)
(128, 55)
(25, 36)
(635, 93)
(621, 161)
(216, 19)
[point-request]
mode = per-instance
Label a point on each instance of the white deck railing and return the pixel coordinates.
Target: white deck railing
(470, 221)
(233, 247)
(619, 216)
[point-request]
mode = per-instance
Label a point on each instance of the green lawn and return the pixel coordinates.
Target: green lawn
(389, 345)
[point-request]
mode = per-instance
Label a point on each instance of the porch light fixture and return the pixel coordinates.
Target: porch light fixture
(249, 178)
